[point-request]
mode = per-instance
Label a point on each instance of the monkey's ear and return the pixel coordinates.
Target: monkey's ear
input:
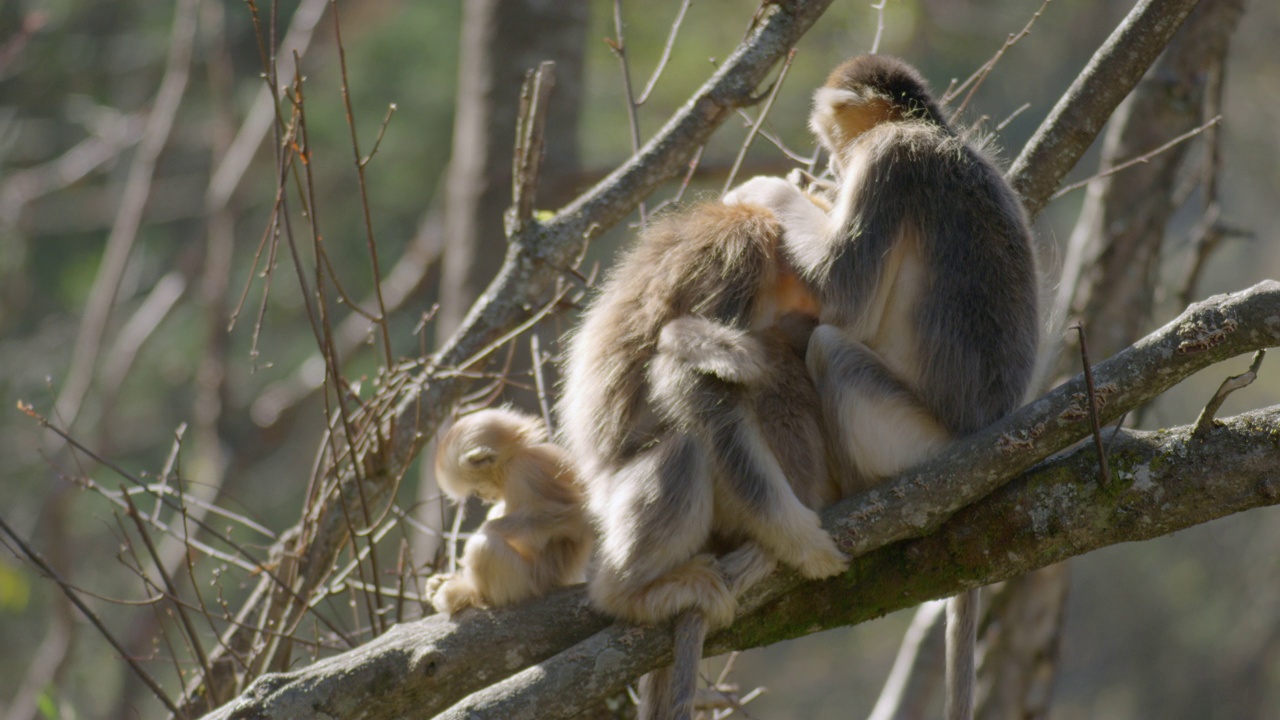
(479, 457)
(840, 115)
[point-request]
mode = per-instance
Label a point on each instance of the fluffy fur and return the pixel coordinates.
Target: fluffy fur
(536, 537)
(926, 278)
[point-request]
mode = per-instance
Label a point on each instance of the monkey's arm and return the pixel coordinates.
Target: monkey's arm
(712, 401)
(495, 572)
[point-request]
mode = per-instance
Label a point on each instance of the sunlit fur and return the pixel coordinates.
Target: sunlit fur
(926, 278)
(536, 537)
(685, 399)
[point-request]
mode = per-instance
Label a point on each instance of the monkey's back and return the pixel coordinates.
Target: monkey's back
(705, 261)
(977, 324)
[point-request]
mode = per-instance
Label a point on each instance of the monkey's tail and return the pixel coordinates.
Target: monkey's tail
(962, 636)
(668, 693)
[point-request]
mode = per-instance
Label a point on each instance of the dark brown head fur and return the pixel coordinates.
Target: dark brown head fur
(890, 79)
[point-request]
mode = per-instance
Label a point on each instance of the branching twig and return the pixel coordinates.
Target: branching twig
(618, 45)
(531, 126)
(755, 127)
(978, 77)
(92, 617)
(879, 8)
(360, 163)
(666, 53)
(1204, 423)
(1140, 159)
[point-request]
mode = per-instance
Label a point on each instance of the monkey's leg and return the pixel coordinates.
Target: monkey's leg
(882, 428)
(494, 563)
(751, 484)
(654, 522)
(877, 423)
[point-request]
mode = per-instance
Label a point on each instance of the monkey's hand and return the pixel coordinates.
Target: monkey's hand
(771, 193)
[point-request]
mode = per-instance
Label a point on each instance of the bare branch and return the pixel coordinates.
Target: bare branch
(1079, 116)
(424, 666)
(1205, 423)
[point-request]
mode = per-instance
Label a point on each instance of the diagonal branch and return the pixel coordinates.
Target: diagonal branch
(1078, 117)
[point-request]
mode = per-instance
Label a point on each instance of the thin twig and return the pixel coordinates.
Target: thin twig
(256, 565)
(1205, 423)
(1094, 422)
(879, 8)
(535, 351)
(980, 75)
(666, 53)
(764, 113)
(172, 592)
(531, 126)
(1140, 159)
(618, 45)
(1011, 116)
(125, 655)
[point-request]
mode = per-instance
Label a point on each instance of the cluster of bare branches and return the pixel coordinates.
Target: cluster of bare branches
(341, 590)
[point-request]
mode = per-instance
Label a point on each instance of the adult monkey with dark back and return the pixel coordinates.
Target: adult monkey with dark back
(926, 280)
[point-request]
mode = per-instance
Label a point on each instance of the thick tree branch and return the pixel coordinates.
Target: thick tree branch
(1085, 107)
(426, 666)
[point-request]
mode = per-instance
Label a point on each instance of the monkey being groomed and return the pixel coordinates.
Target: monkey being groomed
(690, 412)
(926, 280)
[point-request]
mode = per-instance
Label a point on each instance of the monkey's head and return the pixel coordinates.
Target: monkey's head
(473, 457)
(864, 92)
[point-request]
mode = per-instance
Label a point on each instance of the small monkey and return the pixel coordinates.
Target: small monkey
(687, 402)
(536, 537)
(926, 279)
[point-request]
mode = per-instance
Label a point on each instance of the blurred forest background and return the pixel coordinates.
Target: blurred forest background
(126, 246)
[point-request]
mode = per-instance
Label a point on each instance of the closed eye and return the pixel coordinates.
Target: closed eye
(480, 457)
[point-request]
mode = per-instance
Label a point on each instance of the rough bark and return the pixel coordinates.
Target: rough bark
(1085, 107)
(434, 662)
(1166, 481)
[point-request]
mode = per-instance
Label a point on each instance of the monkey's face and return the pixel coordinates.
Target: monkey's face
(472, 457)
(466, 465)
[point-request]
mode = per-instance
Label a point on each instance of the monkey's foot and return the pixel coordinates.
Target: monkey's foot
(747, 566)
(453, 594)
(698, 584)
(820, 557)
